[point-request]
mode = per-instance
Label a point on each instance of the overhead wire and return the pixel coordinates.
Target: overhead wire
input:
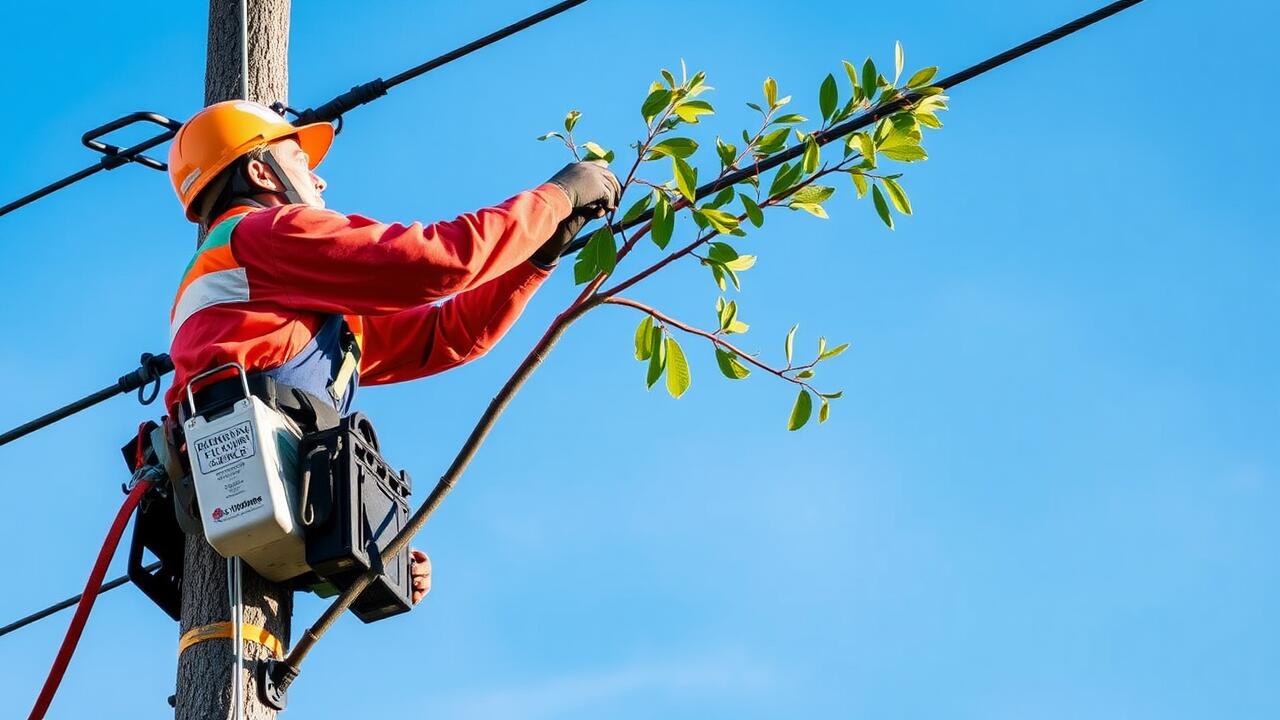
(876, 113)
(283, 673)
(326, 112)
(64, 604)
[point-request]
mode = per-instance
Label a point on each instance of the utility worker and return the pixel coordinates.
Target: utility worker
(311, 302)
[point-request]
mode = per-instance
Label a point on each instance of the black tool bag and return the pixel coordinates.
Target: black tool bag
(352, 504)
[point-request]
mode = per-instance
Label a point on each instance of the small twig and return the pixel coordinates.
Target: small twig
(713, 337)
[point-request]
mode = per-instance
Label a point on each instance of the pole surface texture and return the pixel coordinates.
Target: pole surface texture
(204, 687)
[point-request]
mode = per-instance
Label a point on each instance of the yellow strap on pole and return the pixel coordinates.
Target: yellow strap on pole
(220, 630)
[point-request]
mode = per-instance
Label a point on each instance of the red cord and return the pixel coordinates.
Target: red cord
(86, 601)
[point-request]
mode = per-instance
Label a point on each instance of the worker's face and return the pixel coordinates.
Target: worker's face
(295, 163)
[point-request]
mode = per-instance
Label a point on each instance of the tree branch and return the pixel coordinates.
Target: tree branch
(716, 339)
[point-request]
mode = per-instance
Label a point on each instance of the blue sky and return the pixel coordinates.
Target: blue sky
(1047, 492)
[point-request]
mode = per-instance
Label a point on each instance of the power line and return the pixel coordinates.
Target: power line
(64, 604)
(875, 114)
(276, 677)
(114, 157)
(151, 369)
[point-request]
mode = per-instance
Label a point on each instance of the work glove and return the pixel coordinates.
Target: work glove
(547, 255)
(591, 187)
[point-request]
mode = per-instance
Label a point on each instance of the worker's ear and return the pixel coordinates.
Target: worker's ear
(261, 176)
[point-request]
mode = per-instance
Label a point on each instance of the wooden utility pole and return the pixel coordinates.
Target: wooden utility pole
(204, 688)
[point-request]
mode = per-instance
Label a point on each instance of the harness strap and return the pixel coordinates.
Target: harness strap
(350, 363)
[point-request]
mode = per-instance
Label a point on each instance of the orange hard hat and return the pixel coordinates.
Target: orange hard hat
(216, 136)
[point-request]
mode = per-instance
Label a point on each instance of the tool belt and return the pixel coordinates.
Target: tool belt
(311, 413)
(350, 501)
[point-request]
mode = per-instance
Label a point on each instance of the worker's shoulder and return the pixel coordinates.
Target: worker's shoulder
(295, 220)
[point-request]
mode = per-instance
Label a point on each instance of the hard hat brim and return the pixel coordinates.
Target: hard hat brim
(315, 139)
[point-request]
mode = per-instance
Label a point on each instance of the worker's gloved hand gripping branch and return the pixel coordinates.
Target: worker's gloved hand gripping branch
(592, 191)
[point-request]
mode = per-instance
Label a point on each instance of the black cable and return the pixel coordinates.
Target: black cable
(873, 115)
(329, 111)
(151, 369)
(108, 162)
(282, 674)
(56, 607)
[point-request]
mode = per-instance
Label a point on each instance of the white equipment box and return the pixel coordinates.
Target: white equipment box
(244, 462)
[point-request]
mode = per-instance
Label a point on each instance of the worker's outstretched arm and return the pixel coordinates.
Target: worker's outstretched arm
(432, 338)
(314, 259)
(320, 260)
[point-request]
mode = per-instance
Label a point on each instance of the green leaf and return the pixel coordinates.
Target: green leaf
(602, 247)
(595, 152)
(813, 194)
(729, 365)
(671, 79)
(727, 152)
(584, 266)
(721, 252)
(869, 76)
(898, 196)
(689, 110)
(754, 213)
(664, 222)
(791, 341)
(721, 199)
(674, 147)
(770, 92)
(638, 208)
(852, 72)
(811, 208)
(657, 356)
(654, 104)
(742, 263)
(864, 145)
(571, 119)
(804, 374)
(928, 119)
(828, 97)
(643, 343)
(772, 142)
(787, 176)
(882, 208)
(922, 77)
(905, 153)
(828, 354)
(824, 411)
(719, 271)
(789, 119)
(726, 312)
(720, 220)
(550, 135)
(678, 377)
(800, 411)
(811, 155)
(686, 178)
(832, 396)
(898, 59)
(859, 183)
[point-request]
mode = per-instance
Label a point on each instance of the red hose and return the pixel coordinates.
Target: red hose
(86, 601)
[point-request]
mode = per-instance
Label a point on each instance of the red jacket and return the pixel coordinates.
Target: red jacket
(294, 266)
